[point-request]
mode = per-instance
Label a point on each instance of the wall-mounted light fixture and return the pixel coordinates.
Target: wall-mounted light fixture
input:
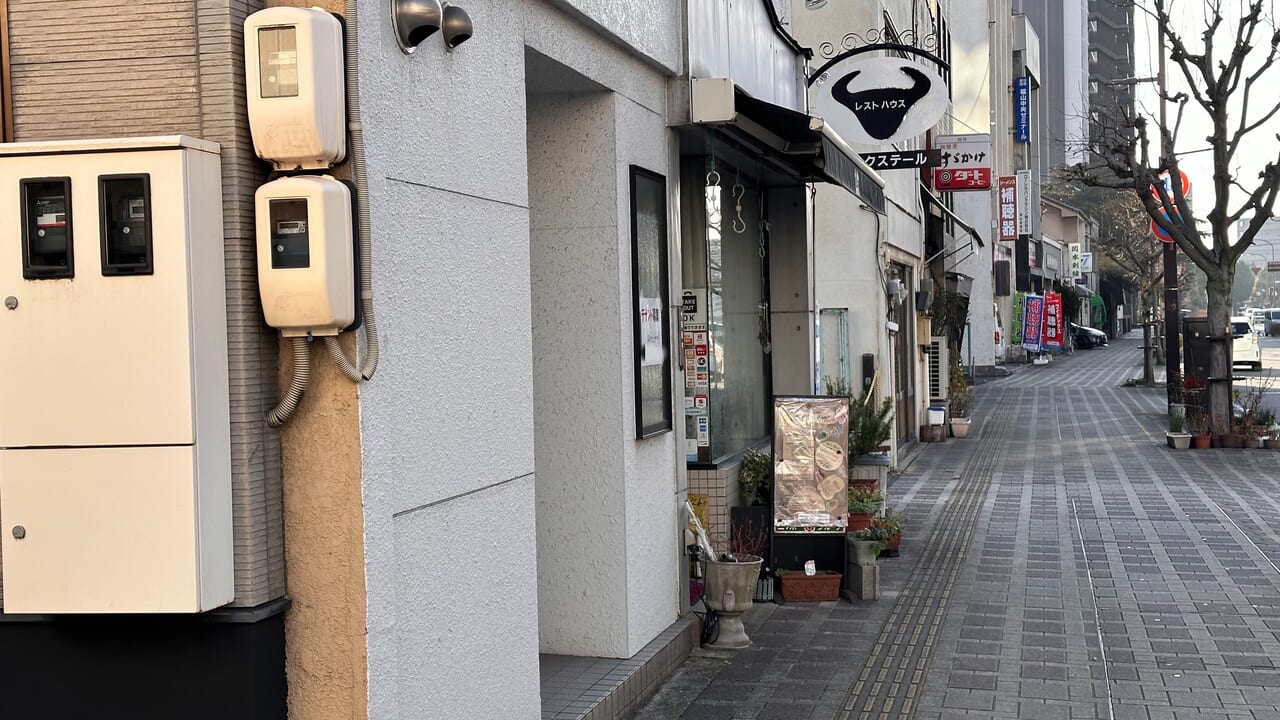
(416, 20)
(457, 26)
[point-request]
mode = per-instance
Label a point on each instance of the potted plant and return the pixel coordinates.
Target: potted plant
(892, 524)
(755, 478)
(868, 542)
(960, 400)
(731, 584)
(749, 536)
(864, 501)
(1176, 436)
(1195, 420)
(798, 586)
(870, 427)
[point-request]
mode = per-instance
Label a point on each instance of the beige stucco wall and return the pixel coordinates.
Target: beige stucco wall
(325, 651)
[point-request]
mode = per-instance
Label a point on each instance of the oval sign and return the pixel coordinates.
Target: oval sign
(879, 101)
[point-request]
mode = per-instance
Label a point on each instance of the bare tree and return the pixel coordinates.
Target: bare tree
(1220, 70)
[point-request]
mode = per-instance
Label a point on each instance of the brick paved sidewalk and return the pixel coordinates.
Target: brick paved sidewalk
(1107, 577)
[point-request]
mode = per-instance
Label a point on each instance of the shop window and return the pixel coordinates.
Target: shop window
(650, 301)
(737, 325)
(6, 90)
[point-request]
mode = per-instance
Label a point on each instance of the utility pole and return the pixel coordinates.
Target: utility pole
(1172, 353)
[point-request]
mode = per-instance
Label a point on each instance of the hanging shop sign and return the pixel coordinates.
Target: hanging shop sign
(966, 163)
(1008, 205)
(810, 464)
(1022, 109)
(902, 160)
(1033, 323)
(878, 100)
(1075, 250)
(1086, 263)
(1024, 201)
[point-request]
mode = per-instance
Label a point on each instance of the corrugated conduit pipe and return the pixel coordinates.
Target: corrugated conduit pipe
(297, 384)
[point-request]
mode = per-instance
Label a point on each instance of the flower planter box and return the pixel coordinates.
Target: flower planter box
(1178, 441)
(868, 468)
(1201, 442)
(798, 587)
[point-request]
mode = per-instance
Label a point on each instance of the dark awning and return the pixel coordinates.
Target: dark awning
(937, 202)
(808, 148)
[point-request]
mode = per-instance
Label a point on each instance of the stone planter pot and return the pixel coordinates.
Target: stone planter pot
(960, 427)
(1178, 441)
(866, 551)
(869, 468)
(730, 589)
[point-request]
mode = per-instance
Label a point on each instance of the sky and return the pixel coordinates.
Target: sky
(1263, 145)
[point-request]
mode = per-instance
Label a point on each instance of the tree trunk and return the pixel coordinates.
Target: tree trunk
(1218, 289)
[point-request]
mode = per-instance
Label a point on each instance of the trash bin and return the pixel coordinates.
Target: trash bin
(937, 415)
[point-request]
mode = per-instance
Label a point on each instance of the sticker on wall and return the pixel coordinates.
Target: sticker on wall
(704, 431)
(700, 402)
(693, 310)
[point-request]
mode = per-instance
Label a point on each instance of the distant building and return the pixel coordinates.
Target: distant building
(1110, 59)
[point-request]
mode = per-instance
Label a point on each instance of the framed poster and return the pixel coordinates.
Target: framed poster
(650, 300)
(810, 464)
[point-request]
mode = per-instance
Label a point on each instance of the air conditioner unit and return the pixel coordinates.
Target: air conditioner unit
(939, 365)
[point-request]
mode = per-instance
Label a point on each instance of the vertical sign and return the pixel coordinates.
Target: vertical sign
(811, 466)
(1052, 320)
(1015, 336)
(1075, 259)
(695, 354)
(1023, 184)
(1008, 204)
(1033, 323)
(1022, 109)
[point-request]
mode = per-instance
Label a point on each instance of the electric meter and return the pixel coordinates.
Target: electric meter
(295, 87)
(306, 257)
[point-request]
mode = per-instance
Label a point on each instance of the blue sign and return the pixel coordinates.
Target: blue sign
(1022, 109)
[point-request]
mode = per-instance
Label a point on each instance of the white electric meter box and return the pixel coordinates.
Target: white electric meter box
(296, 87)
(306, 255)
(115, 451)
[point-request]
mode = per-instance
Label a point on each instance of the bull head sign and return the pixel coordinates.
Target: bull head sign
(879, 101)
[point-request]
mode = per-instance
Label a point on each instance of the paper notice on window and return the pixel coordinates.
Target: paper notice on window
(652, 353)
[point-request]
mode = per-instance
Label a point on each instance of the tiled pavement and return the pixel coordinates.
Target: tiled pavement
(1106, 577)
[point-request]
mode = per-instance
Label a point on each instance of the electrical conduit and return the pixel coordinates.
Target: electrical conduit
(297, 384)
(351, 50)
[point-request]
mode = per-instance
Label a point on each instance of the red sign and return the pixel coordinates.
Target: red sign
(1008, 207)
(1053, 319)
(966, 163)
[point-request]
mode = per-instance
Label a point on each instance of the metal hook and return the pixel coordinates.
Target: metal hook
(739, 225)
(713, 178)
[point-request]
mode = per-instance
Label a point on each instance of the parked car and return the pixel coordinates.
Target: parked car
(1087, 337)
(1271, 322)
(1245, 348)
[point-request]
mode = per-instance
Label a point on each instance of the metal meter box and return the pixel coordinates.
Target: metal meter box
(295, 86)
(115, 492)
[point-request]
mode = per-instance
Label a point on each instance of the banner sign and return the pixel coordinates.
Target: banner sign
(902, 160)
(1019, 307)
(966, 163)
(879, 100)
(1033, 323)
(1024, 201)
(810, 464)
(1053, 320)
(1008, 203)
(1022, 109)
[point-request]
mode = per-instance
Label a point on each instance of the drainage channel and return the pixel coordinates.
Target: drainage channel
(893, 678)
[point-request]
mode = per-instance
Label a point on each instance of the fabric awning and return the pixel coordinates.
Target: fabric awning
(808, 148)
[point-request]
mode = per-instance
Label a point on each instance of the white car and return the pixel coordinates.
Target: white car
(1245, 348)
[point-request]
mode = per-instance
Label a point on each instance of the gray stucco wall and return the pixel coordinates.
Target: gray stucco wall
(448, 423)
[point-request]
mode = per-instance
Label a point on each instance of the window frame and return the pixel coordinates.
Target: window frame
(651, 427)
(6, 77)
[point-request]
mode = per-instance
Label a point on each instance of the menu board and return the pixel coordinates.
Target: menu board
(811, 466)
